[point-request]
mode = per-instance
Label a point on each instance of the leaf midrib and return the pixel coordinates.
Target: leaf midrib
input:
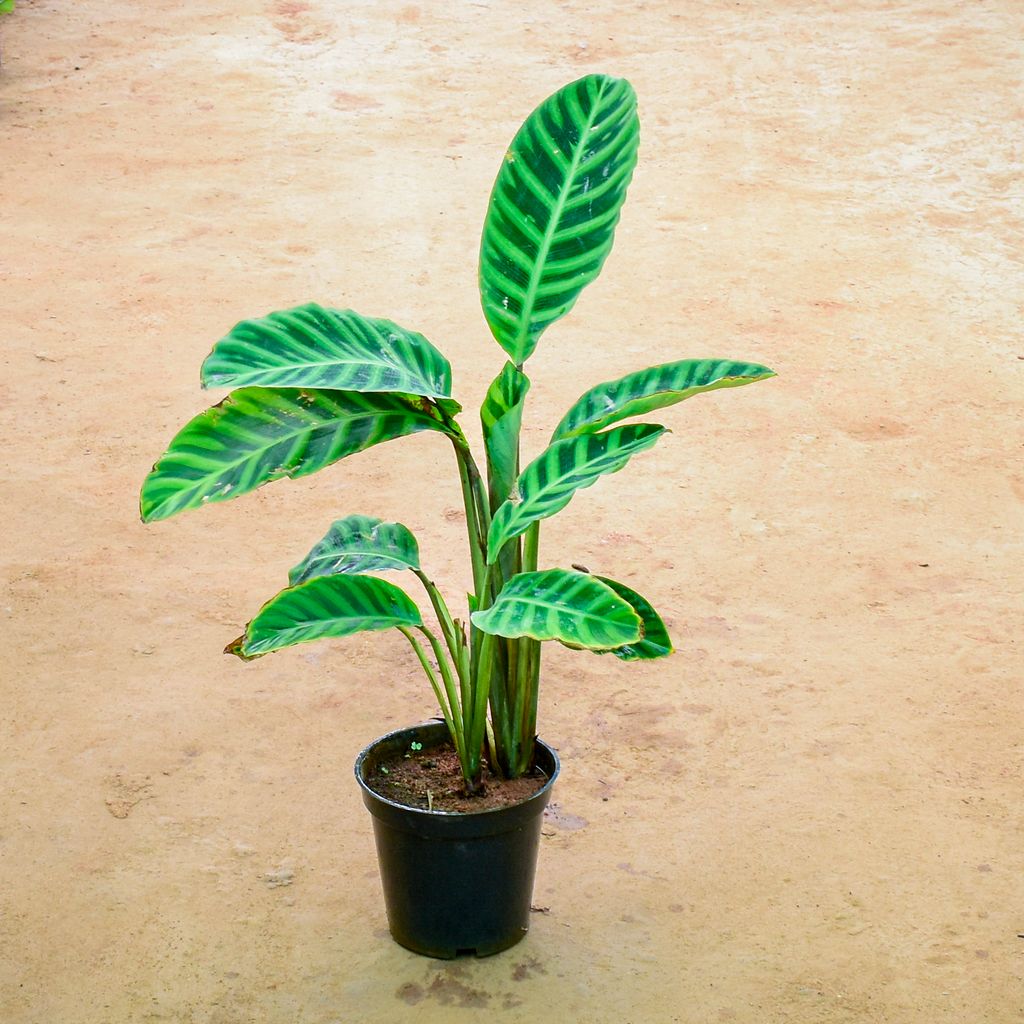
(340, 557)
(216, 377)
(537, 602)
(308, 427)
(301, 630)
(552, 227)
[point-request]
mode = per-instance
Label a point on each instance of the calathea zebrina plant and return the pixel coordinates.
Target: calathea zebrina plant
(315, 385)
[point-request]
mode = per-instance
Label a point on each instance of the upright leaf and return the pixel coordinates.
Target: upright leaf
(329, 606)
(501, 417)
(557, 604)
(548, 483)
(554, 208)
(655, 641)
(358, 544)
(261, 434)
(653, 388)
(313, 347)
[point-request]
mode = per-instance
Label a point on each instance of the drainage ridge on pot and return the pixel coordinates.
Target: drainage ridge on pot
(454, 882)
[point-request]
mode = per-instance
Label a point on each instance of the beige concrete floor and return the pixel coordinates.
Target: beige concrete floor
(812, 813)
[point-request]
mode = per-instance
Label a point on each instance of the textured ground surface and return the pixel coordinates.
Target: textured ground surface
(810, 814)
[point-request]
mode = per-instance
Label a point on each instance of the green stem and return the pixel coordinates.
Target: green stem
(449, 681)
(477, 521)
(493, 748)
(476, 723)
(531, 547)
(439, 693)
(483, 504)
(527, 677)
(453, 638)
(477, 551)
(484, 599)
(474, 500)
(464, 666)
(500, 716)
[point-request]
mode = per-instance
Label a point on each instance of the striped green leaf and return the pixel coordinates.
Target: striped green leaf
(313, 347)
(554, 208)
(358, 544)
(653, 388)
(558, 604)
(328, 606)
(501, 417)
(261, 434)
(655, 641)
(548, 483)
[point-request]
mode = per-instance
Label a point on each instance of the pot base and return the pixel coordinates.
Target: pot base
(455, 884)
(453, 953)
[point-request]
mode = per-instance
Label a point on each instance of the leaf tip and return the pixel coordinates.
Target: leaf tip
(149, 510)
(237, 648)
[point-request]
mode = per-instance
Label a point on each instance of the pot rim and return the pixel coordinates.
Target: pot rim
(425, 814)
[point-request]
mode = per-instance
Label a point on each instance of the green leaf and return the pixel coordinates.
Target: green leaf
(557, 604)
(554, 208)
(655, 641)
(328, 606)
(448, 406)
(313, 347)
(6, 6)
(654, 388)
(261, 434)
(501, 417)
(358, 544)
(547, 485)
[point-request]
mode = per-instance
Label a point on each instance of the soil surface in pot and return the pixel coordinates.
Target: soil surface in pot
(431, 779)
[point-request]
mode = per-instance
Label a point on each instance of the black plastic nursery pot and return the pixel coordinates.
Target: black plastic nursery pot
(454, 883)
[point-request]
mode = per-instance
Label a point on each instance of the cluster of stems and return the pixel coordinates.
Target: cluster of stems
(485, 685)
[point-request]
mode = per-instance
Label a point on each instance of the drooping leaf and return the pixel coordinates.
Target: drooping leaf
(313, 347)
(559, 604)
(329, 606)
(501, 417)
(655, 641)
(653, 388)
(448, 406)
(358, 544)
(261, 434)
(548, 483)
(554, 208)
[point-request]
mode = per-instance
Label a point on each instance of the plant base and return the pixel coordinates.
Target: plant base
(454, 883)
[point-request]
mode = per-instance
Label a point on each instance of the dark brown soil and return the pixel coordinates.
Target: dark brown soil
(431, 779)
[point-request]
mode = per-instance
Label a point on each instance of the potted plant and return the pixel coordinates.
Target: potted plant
(315, 385)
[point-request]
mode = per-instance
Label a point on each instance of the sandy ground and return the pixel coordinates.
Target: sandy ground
(813, 812)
